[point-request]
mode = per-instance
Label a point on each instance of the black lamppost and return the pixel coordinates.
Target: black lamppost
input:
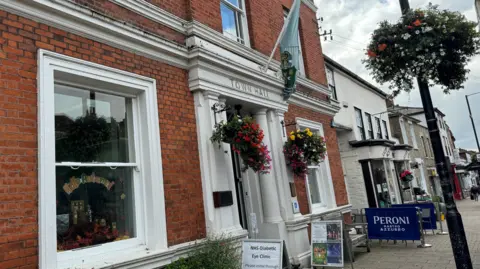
(471, 118)
(456, 231)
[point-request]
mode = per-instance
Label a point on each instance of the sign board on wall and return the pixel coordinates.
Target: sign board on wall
(327, 243)
(262, 254)
(393, 223)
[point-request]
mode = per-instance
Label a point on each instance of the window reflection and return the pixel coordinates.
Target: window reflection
(90, 126)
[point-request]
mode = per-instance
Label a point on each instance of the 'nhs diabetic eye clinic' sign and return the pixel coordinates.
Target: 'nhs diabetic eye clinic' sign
(393, 223)
(265, 254)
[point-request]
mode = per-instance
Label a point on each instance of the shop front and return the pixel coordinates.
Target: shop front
(401, 162)
(381, 185)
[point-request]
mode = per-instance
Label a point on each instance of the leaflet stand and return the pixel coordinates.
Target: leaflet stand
(422, 234)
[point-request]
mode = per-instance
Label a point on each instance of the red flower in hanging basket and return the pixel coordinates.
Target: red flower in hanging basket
(406, 176)
(417, 23)
(246, 139)
(371, 54)
(382, 47)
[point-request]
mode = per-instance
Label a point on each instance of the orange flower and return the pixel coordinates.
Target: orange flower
(382, 47)
(417, 23)
(371, 54)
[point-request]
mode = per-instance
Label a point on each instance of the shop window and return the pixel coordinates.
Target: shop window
(320, 191)
(385, 128)
(99, 162)
(379, 128)
(369, 126)
(359, 121)
(331, 82)
(234, 20)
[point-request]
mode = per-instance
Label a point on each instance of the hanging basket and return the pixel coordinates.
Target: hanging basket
(430, 44)
(406, 176)
(304, 148)
(246, 139)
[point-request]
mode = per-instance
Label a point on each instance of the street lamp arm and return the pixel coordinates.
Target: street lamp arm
(467, 95)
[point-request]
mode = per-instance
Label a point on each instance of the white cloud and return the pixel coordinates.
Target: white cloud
(353, 22)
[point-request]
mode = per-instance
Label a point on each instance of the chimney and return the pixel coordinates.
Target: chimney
(390, 102)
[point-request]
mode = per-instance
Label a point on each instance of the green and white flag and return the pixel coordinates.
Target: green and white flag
(290, 50)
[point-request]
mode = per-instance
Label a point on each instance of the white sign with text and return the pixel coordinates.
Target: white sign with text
(262, 254)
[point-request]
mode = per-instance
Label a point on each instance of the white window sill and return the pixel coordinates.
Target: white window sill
(142, 258)
(316, 215)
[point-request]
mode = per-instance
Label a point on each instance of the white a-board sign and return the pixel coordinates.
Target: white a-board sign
(327, 243)
(262, 254)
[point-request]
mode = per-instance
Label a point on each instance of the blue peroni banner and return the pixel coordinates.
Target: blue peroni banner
(393, 223)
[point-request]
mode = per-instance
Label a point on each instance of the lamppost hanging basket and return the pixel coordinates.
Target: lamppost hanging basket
(430, 44)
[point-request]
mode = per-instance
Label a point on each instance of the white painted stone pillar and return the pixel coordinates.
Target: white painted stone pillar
(268, 187)
(215, 166)
(278, 162)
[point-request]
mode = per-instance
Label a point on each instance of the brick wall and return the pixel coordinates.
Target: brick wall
(118, 13)
(335, 161)
(264, 18)
(178, 8)
(265, 21)
(20, 39)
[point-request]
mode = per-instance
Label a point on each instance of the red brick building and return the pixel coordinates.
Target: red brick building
(105, 124)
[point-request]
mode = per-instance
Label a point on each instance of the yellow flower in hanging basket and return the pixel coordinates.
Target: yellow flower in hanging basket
(309, 133)
(292, 137)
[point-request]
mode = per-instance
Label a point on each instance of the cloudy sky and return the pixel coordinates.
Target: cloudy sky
(353, 21)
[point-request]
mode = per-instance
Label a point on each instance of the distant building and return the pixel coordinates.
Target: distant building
(371, 159)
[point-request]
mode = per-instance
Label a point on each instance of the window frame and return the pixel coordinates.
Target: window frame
(241, 24)
(403, 130)
(412, 134)
(326, 190)
(361, 129)
(370, 132)
(379, 128)
(331, 82)
(54, 67)
(386, 129)
(425, 149)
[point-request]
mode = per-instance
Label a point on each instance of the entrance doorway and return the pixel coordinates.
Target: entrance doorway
(240, 189)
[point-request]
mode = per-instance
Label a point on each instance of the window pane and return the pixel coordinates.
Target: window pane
(330, 79)
(234, 2)
(229, 22)
(94, 206)
(358, 115)
(91, 126)
(313, 184)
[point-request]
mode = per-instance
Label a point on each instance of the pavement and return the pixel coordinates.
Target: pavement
(439, 256)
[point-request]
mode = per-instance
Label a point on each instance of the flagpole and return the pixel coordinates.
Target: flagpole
(285, 24)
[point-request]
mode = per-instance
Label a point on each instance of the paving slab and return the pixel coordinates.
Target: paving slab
(388, 255)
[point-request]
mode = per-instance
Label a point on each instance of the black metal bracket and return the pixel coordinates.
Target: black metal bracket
(219, 108)
(286, 124)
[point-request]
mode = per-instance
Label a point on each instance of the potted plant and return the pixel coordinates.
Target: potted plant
(304, 148)
(246, 139)
(429, 44)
